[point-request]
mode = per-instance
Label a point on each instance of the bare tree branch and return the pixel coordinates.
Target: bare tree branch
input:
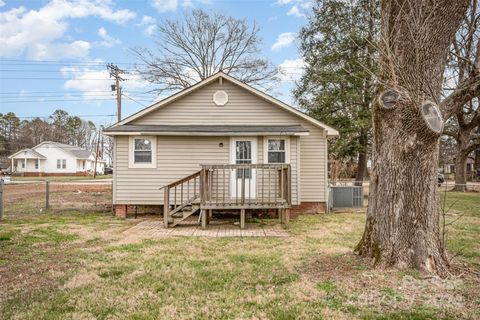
(199, 45)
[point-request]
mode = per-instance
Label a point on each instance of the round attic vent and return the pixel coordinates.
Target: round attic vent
(220, 98)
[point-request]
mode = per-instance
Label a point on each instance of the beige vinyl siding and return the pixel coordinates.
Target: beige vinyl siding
(177, 157)
(180, 156)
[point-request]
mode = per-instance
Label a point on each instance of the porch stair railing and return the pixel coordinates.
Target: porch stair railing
(181, 199)
(227, 186)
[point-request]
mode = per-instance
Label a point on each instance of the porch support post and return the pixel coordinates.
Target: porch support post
(287, 217)
(242, 218)
(210, 214)
(203, 213)
(166, 206)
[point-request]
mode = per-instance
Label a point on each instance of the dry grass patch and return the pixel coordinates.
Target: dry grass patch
(99, 273)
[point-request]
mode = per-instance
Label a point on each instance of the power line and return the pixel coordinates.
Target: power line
(73, 115)
(39, 78)
(66, 92)
(123, 94)
(56, 100)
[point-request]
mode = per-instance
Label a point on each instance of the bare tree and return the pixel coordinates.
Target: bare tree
(463, 67)
(403, 227)
(199, 45)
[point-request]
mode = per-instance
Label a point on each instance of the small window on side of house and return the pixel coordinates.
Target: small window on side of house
(23, 164)
(142, 152)
(64, 163)
(277, 151)
(36, 163)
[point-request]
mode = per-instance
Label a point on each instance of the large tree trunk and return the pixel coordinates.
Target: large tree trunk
(362, 159)
(403, 227)
(476, 163)
(461, 172)
(361, 168)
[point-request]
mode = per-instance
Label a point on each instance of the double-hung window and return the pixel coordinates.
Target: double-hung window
(277, 150)
(143, 152)
(36, 163)
(61, 163)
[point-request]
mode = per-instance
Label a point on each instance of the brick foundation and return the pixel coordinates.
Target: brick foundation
(124, 210)
(307, 208)
(51, 174)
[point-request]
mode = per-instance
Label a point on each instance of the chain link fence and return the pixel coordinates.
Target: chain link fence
(51, 196)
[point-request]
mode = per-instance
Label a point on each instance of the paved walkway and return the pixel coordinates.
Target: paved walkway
(154, 228)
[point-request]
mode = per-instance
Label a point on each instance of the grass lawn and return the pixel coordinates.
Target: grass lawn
(80, 265)
(62, 178)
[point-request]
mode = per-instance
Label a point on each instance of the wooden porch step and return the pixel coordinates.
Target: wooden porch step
(172, 222)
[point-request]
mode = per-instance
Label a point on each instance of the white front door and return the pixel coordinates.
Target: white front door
(243, 151)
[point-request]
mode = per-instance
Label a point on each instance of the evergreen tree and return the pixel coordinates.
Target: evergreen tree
(338, 47)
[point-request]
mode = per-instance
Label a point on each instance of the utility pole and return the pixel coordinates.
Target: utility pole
(115, 72)
(96, 154)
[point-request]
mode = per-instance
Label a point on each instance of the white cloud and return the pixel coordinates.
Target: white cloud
(2, 3)
(150, 29)
(24, 31)
(291, 70)
(91, 80)
(146, 20)
(298, 7)
(107, 40)
(42, 51)
(172, 5)
(284, 40)
(294, 11)
(150, 25)
(165, 5)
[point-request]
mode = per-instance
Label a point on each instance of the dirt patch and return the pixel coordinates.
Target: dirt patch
(82, 279)
(383, 290)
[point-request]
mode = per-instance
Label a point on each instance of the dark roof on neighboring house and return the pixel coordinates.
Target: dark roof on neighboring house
(208, 129)
(82, 154)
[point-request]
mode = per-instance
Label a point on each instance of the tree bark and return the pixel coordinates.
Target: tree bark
(403, 226)
(476, 163)
(361, 168)
(461, 172)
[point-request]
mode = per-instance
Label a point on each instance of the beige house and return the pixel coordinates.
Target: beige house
(220, 145)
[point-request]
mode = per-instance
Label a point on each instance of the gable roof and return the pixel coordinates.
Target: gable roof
(77, 152)
(35, 153)
(330, 131)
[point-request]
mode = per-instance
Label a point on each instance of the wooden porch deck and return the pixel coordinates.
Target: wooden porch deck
(228, 187)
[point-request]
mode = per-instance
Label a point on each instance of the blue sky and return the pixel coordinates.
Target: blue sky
(53, 53)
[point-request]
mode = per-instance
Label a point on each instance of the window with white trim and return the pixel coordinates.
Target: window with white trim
(142, 152)
(64, 164)
(276, 151)
(59, 164)
(36, 163)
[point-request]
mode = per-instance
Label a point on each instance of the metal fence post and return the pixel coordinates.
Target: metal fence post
(47, 192)
(1, 199)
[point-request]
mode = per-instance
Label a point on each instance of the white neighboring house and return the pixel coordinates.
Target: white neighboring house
(55, 159)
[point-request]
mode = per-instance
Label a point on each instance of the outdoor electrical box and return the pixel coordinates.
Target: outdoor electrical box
(345, 197)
